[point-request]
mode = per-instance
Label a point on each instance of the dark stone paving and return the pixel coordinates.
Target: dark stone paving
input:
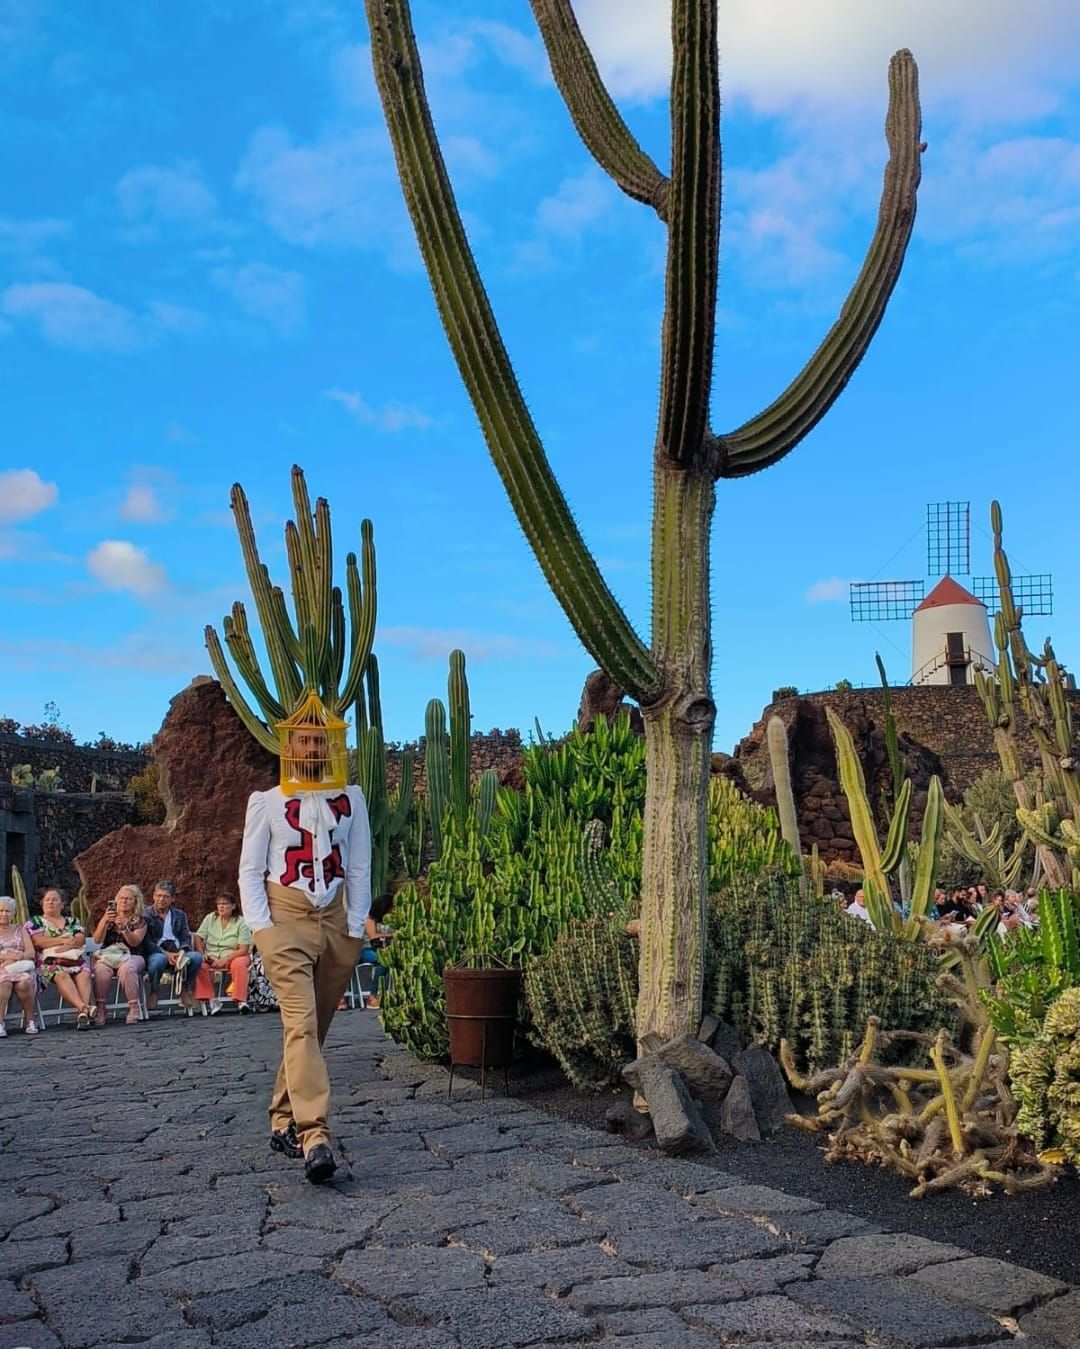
(140, 1206)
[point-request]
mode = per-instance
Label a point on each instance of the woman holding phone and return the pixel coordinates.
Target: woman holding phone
(122, 941)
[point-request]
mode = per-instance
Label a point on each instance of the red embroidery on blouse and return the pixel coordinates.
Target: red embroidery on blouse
(299, 859)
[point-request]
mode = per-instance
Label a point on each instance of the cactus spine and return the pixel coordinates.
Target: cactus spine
(780, 758)
(670, 677)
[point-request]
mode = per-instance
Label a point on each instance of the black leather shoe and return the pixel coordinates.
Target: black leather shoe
(319, 1164)
(286, 1141)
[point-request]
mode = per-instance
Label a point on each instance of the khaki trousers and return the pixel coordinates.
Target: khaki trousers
(309, 958)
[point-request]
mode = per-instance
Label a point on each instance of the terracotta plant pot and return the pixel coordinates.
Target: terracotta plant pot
(481, 1015)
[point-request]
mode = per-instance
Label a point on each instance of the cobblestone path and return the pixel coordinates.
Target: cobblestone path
(139, 1204)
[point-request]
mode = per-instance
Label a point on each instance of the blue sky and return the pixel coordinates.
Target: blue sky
(207, 275)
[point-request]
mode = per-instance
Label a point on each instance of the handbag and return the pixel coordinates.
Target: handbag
(21, 967)
(65, 957)
(114, 955)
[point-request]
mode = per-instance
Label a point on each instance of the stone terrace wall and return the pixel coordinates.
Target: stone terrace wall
(500, 750)
(77, 763)
(942, 730)
(68, 823)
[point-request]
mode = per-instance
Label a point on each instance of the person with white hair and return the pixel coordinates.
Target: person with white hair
(17, 967)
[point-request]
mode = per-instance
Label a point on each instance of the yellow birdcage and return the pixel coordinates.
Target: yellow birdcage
(312, 748)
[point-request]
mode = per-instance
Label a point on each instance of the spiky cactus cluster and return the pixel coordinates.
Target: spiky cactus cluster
(783, 966)
(879, 863)
(1046, 1080)
(1034, 685)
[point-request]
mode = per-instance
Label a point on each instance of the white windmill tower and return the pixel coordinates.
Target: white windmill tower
(950, 626)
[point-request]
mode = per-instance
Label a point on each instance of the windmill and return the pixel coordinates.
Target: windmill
(950, 626)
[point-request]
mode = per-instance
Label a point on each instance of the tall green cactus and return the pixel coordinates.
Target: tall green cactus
(670, 676)
(309, 650)
(18, 893)
(448, 763)
(388, 816)
(878, 863)
(780, 758)
(1034, 685)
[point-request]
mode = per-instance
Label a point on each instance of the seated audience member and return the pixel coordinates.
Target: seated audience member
(123, 946)
(18, 967)
(170, 947)
(857, 908)
(60, 943)
(376, 936)
(224, 942)
(961, 907)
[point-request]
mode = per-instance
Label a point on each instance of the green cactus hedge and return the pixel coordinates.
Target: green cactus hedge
(778, 965)
(505, 889)
(784, 966)
(566, 849)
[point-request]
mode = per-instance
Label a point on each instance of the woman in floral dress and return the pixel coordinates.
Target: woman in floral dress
(60, 943)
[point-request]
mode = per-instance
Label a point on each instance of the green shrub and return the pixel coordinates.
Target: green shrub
(1031, 969)
(145, 797)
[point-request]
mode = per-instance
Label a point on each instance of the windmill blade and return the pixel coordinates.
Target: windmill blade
(948, 538)
(1034, 594)
(884, 601)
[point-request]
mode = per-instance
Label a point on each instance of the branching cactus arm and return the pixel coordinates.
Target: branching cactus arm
(765, 439)
(482, 359)
(598, 121)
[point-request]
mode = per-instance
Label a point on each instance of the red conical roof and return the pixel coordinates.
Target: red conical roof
(948, 591)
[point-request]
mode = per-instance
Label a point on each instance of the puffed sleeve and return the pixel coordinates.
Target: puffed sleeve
(253, 863)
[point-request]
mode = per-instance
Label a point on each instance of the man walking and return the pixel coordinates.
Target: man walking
(305, 889)
(169, 932)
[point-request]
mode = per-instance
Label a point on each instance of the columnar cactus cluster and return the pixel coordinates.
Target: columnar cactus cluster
(880, 863)
(1034, 686)
(670, 675)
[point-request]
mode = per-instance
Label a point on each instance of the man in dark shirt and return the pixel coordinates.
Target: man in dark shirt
(170, 936)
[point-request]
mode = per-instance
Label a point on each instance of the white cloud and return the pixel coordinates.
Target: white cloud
(141, 505)
(270, 294)
(339, 190)
(27, 236)
(434, 644)
(389, 417)
(24, 494)
(135, 651)
(174, 195)
(827, 592)
(580, 203)
(993, 60)
(71, 316)
(119, 565)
